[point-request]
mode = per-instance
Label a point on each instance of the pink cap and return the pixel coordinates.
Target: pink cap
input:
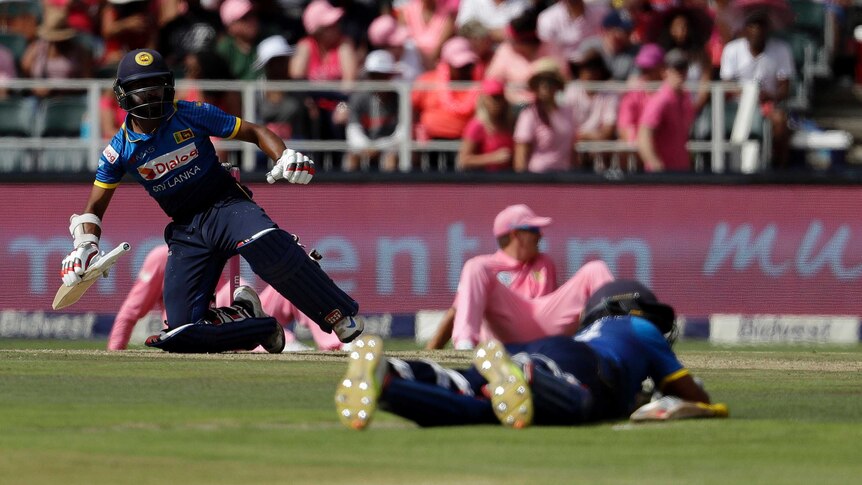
(518, 216)
(385, 31)
(457, 52)
(233, 10)
(649, 56)
(492, 87)
(319, 14)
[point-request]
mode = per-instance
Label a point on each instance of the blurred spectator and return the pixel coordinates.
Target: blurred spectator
(760, 57)
(487, 143)
(7, 69)
(688, 28)
(596, 111)
(495, 15)
(564, 25)
(20, 18)
(242, 30)
(512, 59)
(725, 26)
(358, 15)
(545, 131)
(209, 65)
(481, 43)
(431, 23)
(443, 111)
(373, 131)
(667, 119)
(81, 15)
(615, 45)
(640, 13)
(386, 33)
(55, 53)
(195, 30)
(128, 25)
(650, 64)
(282, 112)
(325, 54)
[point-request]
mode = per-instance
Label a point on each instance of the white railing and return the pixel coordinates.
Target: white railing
(717, 146)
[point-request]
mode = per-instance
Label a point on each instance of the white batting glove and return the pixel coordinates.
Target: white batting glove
(76, 263)
(293, 166)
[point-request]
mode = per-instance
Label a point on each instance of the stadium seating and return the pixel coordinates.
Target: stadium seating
(62, 117)
(17, 119)
(16, 43)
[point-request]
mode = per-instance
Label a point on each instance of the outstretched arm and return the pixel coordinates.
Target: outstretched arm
(686, 388)
(263, 137)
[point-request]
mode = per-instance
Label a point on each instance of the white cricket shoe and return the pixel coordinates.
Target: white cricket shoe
(348, 328)
(247, 298)
(359, 389)
(509, 390)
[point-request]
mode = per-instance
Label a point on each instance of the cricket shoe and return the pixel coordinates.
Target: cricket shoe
(247, 298)
(348, 328)
(510, 394)
(359, 389)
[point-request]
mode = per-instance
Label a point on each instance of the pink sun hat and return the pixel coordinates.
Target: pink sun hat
(319, 14)
(385, 31)
(518, 216)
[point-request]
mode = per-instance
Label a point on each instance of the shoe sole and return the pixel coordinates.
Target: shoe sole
(356, 397)
(510, 393)
(276, 347)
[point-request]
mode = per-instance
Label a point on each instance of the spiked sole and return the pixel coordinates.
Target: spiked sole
(510, 393)
(356, 397)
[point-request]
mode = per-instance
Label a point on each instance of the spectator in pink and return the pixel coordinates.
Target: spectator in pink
(325, 54)
(666, 120)
(481, 43)
(487, 143)
(595, 110)
(545, 133)
(650, 64)
(56, 54)
(512, 59)
(567, 23)
(443, 111)
(386, 33)
(495, 15)
(146, 296)
(512, 294)
(430, 23)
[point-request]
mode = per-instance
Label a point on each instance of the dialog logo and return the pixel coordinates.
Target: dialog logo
(159, 166)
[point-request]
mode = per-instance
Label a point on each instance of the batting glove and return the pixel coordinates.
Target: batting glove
(76, 263)
(293, 166)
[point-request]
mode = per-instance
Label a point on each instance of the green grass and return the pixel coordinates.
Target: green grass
(92, 417)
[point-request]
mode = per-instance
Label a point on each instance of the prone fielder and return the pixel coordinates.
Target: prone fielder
(164, 145)
(597, 374)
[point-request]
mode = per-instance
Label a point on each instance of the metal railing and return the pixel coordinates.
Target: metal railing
(93, 142)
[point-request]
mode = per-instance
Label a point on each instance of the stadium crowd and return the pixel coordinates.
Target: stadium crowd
(495, 76)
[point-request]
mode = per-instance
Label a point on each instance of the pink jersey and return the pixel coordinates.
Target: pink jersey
(519, 301)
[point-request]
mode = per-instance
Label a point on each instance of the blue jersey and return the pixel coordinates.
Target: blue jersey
(177, 164)
(636, 348)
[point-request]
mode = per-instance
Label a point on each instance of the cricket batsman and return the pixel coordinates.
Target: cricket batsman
(165, 146)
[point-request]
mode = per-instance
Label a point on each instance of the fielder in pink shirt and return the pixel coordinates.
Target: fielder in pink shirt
(511, 295)
(146, 295)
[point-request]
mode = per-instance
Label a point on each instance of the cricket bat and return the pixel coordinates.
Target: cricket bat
(68, 295)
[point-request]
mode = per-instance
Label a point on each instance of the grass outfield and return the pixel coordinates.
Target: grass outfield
(73, 414)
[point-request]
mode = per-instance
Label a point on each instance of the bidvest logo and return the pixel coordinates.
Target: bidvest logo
(158, 167)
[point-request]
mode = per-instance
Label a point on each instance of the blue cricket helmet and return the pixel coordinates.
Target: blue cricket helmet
(147, 100)
(630, 297)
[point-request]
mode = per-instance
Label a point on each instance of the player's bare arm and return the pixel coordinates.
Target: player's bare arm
(686, 388)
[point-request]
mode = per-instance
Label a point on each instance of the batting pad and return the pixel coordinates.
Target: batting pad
(206, 338)
(277, 258)
(672, 407)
